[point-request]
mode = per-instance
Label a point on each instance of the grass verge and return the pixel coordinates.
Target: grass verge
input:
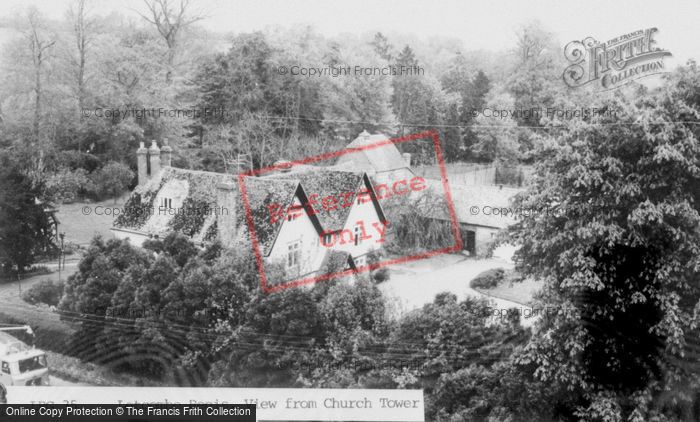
(521, 292)
(74, 370)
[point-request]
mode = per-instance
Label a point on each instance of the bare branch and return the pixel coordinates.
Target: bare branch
(169, 23)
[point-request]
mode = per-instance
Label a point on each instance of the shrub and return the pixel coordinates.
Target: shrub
(78, 160)
(45, 291)
(488, 279)
(71, 247)
(65, 185)
(111, 180)
(381, 274)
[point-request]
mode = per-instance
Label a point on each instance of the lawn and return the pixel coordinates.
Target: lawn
(518, 292)
(81, 221)
(51, 333)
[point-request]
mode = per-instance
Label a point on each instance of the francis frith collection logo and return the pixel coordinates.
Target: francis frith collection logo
(615, 62)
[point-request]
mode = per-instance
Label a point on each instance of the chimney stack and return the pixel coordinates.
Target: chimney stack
(166, 154)
(142, 163)
(226, 220)
(154, 158)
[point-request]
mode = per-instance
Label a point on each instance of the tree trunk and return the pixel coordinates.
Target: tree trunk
(37, 98)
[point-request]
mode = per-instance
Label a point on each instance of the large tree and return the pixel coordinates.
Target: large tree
(472, 89)
(25, 227)
(616, 242)
(170, 18)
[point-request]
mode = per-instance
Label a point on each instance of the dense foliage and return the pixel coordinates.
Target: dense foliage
(618, 252)
(618, 248)
(488, 279)
(223, 105)
(26, 230)
(198, 317)
(46, 291)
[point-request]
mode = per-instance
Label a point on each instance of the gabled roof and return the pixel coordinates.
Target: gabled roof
(141, 213)
(199, 189)
(327, 183)
(335, 183)
(382, 158)
(261, 193)
(475, 204)
(201, 192)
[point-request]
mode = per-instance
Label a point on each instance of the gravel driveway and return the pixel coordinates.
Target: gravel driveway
(414, 284)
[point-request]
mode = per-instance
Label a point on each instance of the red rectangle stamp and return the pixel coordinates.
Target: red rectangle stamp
(321, 217)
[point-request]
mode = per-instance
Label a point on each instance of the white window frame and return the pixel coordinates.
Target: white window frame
(294, 254)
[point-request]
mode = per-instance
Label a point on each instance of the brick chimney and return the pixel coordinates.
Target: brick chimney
(154, 158)
(226, 203)
(166, 154)
(142, 163)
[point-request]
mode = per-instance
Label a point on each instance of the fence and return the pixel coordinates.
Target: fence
(478, 174)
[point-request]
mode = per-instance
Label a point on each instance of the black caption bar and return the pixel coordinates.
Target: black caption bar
(127, 412)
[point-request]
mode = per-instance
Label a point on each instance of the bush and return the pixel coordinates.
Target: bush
(71, 247)
(488, 279)
(380, 274)
(45, 291)
(75, 160)
(111, 180)
(66, 185)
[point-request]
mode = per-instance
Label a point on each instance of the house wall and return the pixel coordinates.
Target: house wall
(483, 237)
(299, 229)
(392, 176)
(367, 214)
(226, 225)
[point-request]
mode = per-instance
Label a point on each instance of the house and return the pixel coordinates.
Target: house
(383, 164)
(345, 205)
(481, 210)
(169, 199)
(307, 220)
